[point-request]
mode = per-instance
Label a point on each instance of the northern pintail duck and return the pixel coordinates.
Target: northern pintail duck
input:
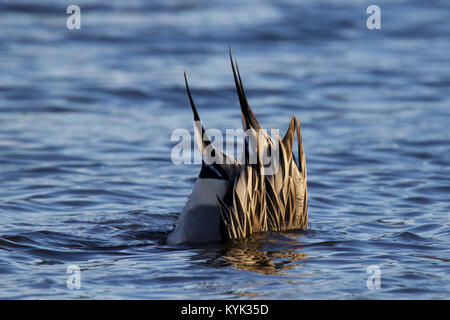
(233, 199)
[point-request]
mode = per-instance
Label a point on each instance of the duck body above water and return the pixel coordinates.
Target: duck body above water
(233, 199)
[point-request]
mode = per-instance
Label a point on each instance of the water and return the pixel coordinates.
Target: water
(86, 117)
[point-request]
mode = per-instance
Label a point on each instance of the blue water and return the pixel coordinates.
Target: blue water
(86, 117)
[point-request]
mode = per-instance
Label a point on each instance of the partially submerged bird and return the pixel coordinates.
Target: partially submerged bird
(233, 199)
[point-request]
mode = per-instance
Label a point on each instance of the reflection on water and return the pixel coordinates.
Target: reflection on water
(257, 254)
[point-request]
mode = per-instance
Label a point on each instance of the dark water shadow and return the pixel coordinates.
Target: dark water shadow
(265, 253)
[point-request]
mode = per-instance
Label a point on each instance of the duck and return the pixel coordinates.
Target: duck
(233, 198)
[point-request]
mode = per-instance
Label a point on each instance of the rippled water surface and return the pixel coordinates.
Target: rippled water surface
(86, 118)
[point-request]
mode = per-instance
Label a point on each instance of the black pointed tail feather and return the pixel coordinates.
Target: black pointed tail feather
(248, 118)
(202, 140)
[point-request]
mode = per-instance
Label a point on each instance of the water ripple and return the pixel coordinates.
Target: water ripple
(86, 118)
